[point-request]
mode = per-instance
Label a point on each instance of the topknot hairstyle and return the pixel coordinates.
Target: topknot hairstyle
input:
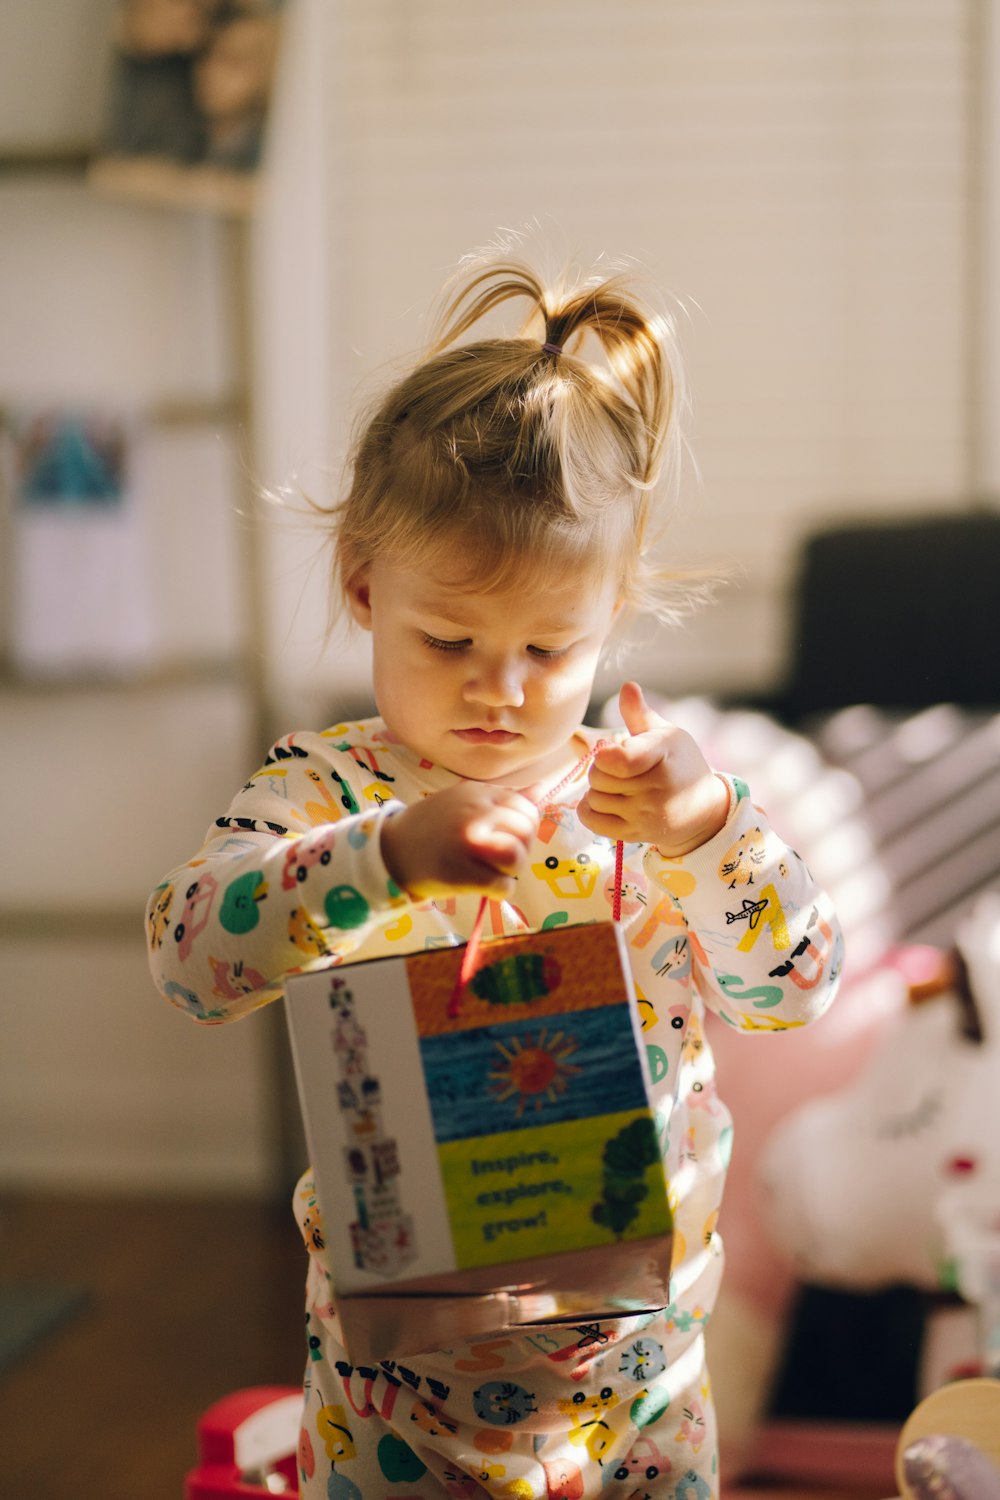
(502, 449)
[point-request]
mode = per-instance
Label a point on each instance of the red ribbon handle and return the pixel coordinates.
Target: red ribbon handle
(468, 965)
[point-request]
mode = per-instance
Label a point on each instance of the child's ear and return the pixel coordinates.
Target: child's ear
(359, 598)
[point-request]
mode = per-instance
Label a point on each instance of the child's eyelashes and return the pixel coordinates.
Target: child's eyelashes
(437, 644)
(543, 653)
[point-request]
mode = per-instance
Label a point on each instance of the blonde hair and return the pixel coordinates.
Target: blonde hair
(503, 450)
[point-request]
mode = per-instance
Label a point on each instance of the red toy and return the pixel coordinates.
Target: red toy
(247, 1445)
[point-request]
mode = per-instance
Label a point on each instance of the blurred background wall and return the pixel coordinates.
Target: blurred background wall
(815, 182)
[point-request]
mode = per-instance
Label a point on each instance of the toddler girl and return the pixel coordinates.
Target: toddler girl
(498, 521)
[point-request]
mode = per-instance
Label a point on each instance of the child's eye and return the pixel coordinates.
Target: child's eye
(437, 644)
(548, 654)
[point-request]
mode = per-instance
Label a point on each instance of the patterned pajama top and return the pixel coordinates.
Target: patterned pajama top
(291, 878)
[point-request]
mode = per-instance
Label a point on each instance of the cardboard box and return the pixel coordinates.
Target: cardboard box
(496, 1167)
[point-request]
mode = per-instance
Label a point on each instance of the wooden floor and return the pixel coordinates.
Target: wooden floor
(185, 1302)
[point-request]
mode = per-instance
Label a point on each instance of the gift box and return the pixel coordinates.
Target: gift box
(484, 1158)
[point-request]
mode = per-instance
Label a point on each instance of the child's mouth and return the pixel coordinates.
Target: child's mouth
(487, 736)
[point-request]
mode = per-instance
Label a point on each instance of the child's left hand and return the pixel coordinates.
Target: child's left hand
(655, 787)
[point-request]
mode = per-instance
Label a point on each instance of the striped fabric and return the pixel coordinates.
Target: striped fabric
(931, 788)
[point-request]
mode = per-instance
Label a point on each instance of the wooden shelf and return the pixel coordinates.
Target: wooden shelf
(161, 183)
(148, 180)
(69, 158)
(198, 411)
(181, 411)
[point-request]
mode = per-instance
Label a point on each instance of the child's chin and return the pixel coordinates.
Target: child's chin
(492, 774)
(491, 764)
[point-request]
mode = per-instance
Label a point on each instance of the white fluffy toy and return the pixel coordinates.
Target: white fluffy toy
(895, 1178)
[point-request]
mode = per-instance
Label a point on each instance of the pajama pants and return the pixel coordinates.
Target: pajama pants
(547, 1412)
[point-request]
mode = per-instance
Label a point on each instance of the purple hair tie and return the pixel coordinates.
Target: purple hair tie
(552, 349)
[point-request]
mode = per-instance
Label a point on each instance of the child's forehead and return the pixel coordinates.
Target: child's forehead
(551, 599)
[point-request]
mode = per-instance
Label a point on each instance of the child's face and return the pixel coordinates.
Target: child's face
(491, 685)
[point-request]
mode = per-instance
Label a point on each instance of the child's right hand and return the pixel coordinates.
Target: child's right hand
(470, 837)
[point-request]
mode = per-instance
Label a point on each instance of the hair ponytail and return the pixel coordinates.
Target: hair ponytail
(524, 446)
(635, 341)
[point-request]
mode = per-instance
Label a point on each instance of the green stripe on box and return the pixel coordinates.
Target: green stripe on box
(538, 1192)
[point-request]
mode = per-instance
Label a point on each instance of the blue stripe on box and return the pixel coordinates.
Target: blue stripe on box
(517, 1074)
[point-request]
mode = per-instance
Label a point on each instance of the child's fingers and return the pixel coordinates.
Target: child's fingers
(495, 846)
(527, 797)
(504, 830)
(483, 879)
(617, 763)
(605, 825)
(498, 846)
(668, 746)
(612, 803)
(511, 810)
(489, 866)
(521, 815)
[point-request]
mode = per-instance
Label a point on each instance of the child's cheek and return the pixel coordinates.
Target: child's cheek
(570, 686)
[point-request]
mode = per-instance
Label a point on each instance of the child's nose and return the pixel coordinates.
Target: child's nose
(496, 684)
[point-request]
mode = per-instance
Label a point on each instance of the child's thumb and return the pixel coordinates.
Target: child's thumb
(635, 711)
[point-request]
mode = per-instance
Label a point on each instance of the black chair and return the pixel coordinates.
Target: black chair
(898, 614)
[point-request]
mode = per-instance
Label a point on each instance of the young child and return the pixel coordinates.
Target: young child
(498, 521)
